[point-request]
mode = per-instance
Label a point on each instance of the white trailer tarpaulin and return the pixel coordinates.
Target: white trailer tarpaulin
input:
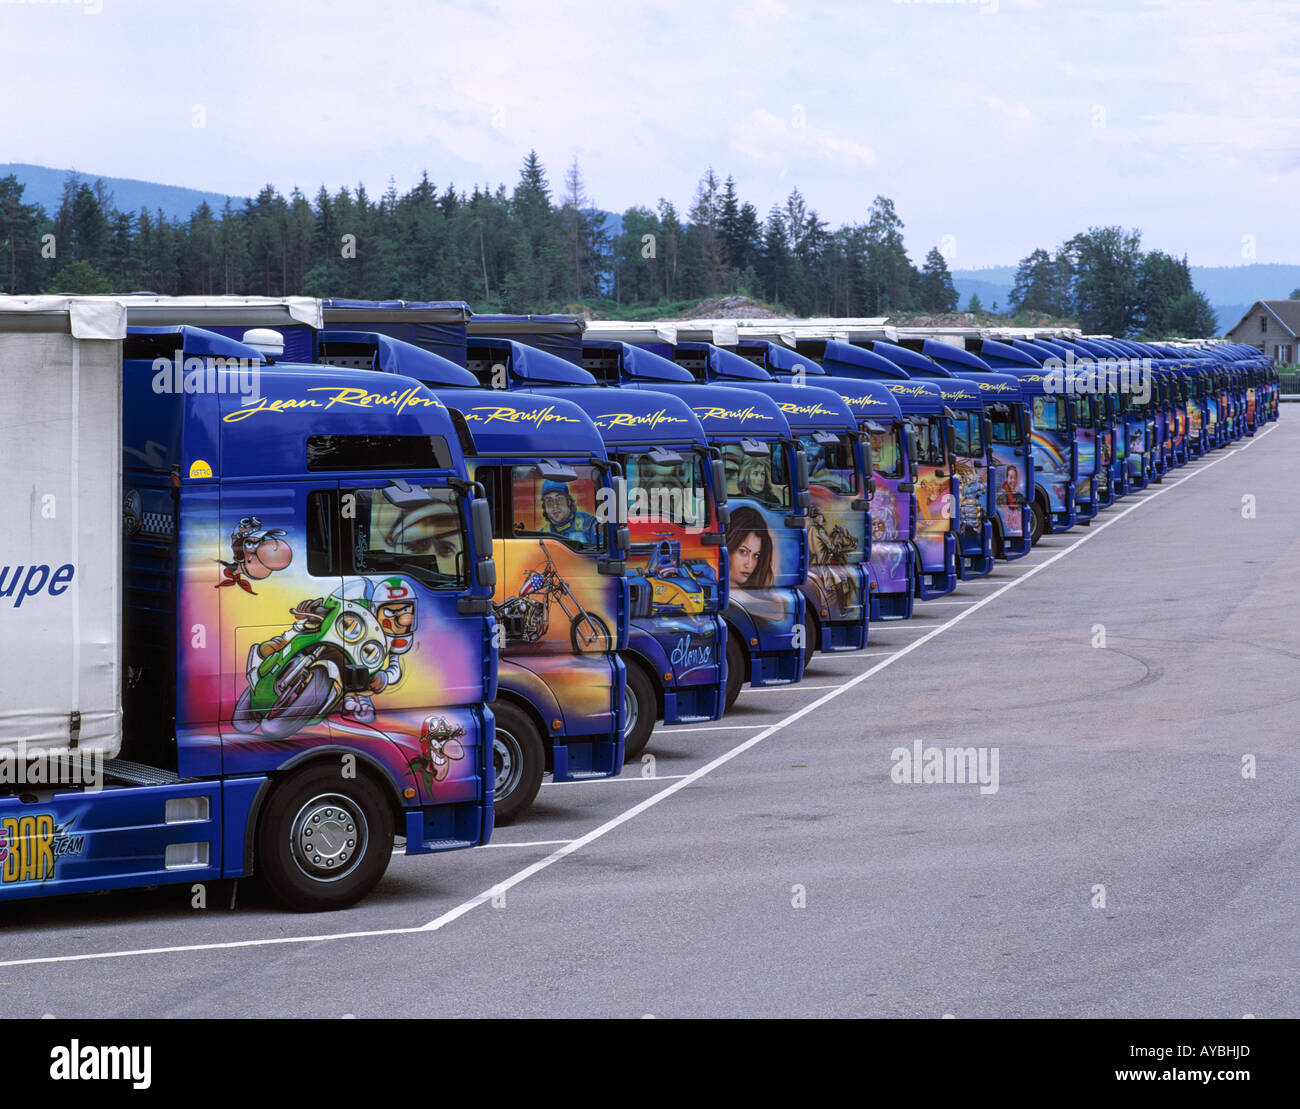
(60, 540)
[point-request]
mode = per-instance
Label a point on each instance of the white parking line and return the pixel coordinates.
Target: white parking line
(573, 846)
(789, 687)
(620, 778)
(530, 843)
(671, 729)
(401, 850)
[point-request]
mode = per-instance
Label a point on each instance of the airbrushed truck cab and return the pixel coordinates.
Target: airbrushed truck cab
(676, 514)
(1108, 438)
(1134, 419)
(950, 367)
(931, 437)
(767, 501)
(1010, 472)
(836, 586)
(561, 598)
(892, 563)
(306, 636)
(1070, 459)
(1051, 431)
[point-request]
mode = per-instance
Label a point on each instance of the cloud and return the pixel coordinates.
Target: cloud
(767, 139)
(759, 13)
(1015, 110)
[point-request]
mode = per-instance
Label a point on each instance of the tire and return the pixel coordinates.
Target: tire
(813, 630)
(640, 711)
(297, 713)
(589, 635)
(317, 805)
(519, 759)
(735, 667)
(1037, 522)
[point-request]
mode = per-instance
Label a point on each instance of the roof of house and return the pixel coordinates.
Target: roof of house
(1286, 312)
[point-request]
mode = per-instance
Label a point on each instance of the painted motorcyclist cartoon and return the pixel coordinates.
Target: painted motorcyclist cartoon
(340, 651)
(257, 552)
(561, 516)
(526, 617)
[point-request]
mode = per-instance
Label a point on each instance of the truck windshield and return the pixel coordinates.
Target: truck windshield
(969, 443)
(1049, 414)
(887, 452)
(1004, 428)
(764, 478)
(425, 542)
(831, 465)
(563, 508)
(662, 491)
(929, 440)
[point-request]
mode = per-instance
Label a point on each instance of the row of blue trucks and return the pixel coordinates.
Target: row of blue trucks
(329, 574)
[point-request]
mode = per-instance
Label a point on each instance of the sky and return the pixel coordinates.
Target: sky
(996, 126)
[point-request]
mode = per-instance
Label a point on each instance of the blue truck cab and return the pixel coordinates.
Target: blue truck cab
(1055, 458)
(839, 483)
(767, 500)
(937, 489)
(892, 557)
(1134, 398)
(306, 634)
(676, 516)
(561, 599)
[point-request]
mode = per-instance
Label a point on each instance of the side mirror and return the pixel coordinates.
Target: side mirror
(485, 573)
(719, 471)
(801, 470)
(951, 438)
(480, 517)
(805, 499)
(623, 540)
(618, 489)
(868, 461)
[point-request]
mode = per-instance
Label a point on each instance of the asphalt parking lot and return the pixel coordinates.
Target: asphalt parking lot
(770, 865)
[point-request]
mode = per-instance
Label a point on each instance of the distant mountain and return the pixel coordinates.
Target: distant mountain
(44, 186)
(1231, 290)
(988, 284)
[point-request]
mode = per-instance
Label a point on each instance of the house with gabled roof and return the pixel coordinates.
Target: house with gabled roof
(1272, 326)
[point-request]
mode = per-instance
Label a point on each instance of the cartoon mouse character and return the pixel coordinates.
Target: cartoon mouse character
(257, 553)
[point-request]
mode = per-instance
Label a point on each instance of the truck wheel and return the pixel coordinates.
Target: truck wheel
(813, 632)
(735, 667)
(1037, 522)
(640, 711)
(589, 635)
(519, 759)
(296, 710)
(324, 840)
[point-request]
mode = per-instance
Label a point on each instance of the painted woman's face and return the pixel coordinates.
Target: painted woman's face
(744, 559)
